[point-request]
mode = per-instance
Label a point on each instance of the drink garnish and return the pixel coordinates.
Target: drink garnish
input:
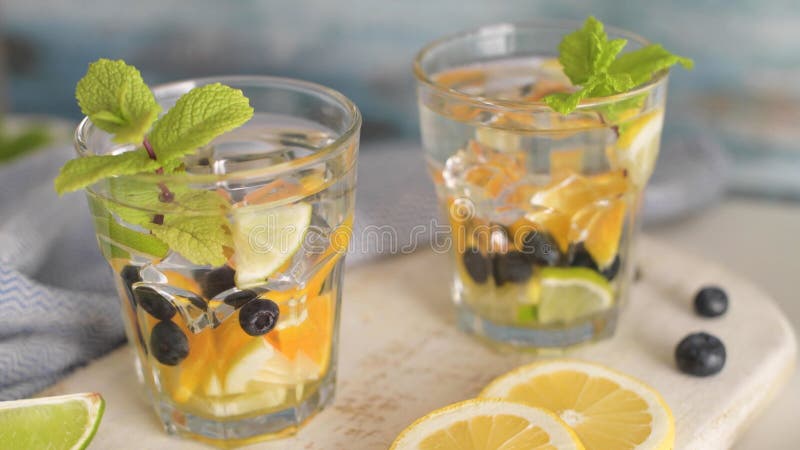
(593, 63)
(116, 99)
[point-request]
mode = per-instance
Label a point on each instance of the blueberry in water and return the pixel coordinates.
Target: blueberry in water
(130, 275)
(582, 258)
(259, 317)
(511, 267)
(168, 343)
(612, 270)
(154, 303)
(711, 301)
(197, 302)
(541, 249)
(216, 281)
(241, 298)
(476, 264)
(700, 354)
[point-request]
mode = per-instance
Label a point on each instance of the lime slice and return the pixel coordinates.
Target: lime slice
(571, 293)
(637, 147)
(264, 238)
(67, 421)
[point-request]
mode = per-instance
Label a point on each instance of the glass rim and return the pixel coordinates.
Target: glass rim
(329, 151)
(567, 26)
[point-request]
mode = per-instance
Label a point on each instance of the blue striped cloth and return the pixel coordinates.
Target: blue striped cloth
(57, 305)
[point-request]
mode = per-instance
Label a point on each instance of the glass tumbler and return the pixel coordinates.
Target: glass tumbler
(542, 206)
(235, 324)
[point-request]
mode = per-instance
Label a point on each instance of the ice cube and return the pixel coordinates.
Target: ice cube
(191, 306)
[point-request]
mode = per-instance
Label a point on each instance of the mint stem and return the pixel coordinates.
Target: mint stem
(149, 148)
(166, 195)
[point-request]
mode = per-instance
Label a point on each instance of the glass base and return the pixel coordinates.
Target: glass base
(593, 328)
(239, 432)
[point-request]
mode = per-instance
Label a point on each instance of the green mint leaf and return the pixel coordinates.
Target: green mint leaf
(116, 240)
(194, 221)
(200, 239)
(116, 99)
(594, 63)
(110, 233)
(643, 63)
(565, 103)
(81, 172)
(587, 52)
(198, 117)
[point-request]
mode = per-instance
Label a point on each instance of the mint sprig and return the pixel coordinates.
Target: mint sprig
(189, 221)
(116, 99)
(594, 63)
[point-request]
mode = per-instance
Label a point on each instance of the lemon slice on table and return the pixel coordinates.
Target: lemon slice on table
(488, 425)
(63, 422)
(637, 147)
(608, 410)
(265, 238)
(569, 293)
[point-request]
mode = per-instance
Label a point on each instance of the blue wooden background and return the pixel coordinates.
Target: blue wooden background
(745, 86)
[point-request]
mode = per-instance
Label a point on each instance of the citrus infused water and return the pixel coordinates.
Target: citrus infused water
(250, 338)
(541, 205)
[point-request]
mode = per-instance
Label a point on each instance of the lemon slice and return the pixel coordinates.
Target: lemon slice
(599, 226)
(569, 293)
(637, 147)
(607, 410)
(265, 238)
(488, 425)
(258, 364)
(64, 422)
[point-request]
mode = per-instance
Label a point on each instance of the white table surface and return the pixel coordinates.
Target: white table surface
(759, 240)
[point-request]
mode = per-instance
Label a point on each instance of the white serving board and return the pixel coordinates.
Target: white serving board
(401, 356)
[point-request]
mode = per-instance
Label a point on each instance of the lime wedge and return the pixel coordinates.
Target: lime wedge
(570, 293)
(265, 238)
(63, 422)
(637, 147)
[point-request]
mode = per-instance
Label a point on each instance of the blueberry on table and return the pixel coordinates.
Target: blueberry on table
(259, 317)
(476, 264)
(168, 344)
(511, 267)
(700, 354)
(241, 298)
(154, 303)
(711, 301)
(216, 281)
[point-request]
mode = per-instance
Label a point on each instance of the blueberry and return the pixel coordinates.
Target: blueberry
(541, 249)
(154, 303)
(612, 270)
(700, 354)
(476, 264)
(197, 302)
(711, 301)
(259, 317)
(241, 298)
(582, 258)
(216, 281)
(511, 267)
(168, 343)
(130, 275)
